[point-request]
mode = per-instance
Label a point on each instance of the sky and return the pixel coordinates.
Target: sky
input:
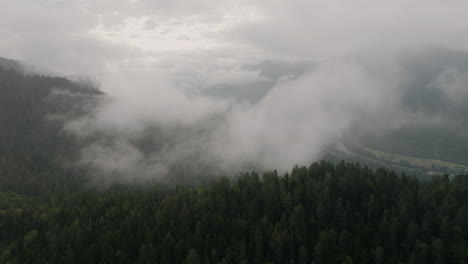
(270, 83)
(69, 35)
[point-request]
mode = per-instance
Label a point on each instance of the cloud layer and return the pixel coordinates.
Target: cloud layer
(237, 84)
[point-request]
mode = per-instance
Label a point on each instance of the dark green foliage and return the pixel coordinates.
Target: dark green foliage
(325, 213)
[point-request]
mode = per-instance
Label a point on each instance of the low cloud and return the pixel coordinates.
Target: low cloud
(216, 86)
(160, 129)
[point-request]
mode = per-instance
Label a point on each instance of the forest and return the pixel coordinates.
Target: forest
(324, 213)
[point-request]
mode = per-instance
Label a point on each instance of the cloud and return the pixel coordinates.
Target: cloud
(296, 120)
(300, 118)
(238, 84)
(324, 29)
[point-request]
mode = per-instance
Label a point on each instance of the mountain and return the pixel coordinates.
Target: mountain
(33, 145)
(447, 140)
(436, 90)
(10, 64)
(324, 213)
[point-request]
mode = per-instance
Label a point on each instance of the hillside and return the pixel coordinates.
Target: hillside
(325, 213)
(435, 89)
(33, 146)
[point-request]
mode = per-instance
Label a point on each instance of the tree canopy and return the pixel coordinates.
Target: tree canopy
(324, 213)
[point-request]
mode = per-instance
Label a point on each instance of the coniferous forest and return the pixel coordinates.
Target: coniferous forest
(324, 213)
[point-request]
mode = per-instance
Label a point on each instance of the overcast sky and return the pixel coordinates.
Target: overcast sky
(82, 35)
(317, 68)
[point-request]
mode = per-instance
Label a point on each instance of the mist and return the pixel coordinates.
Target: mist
(226, 86)
(174, 130)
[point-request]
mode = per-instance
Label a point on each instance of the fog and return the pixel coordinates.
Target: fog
(224, 86)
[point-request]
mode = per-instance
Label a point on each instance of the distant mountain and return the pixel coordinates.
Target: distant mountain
(436, 86)
(10, 64)
(270, 71)
(448, 139)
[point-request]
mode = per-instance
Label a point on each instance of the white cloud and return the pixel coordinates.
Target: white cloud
(155, 58)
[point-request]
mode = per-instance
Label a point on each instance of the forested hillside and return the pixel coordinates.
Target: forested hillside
(325, 213)
(33, 145)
